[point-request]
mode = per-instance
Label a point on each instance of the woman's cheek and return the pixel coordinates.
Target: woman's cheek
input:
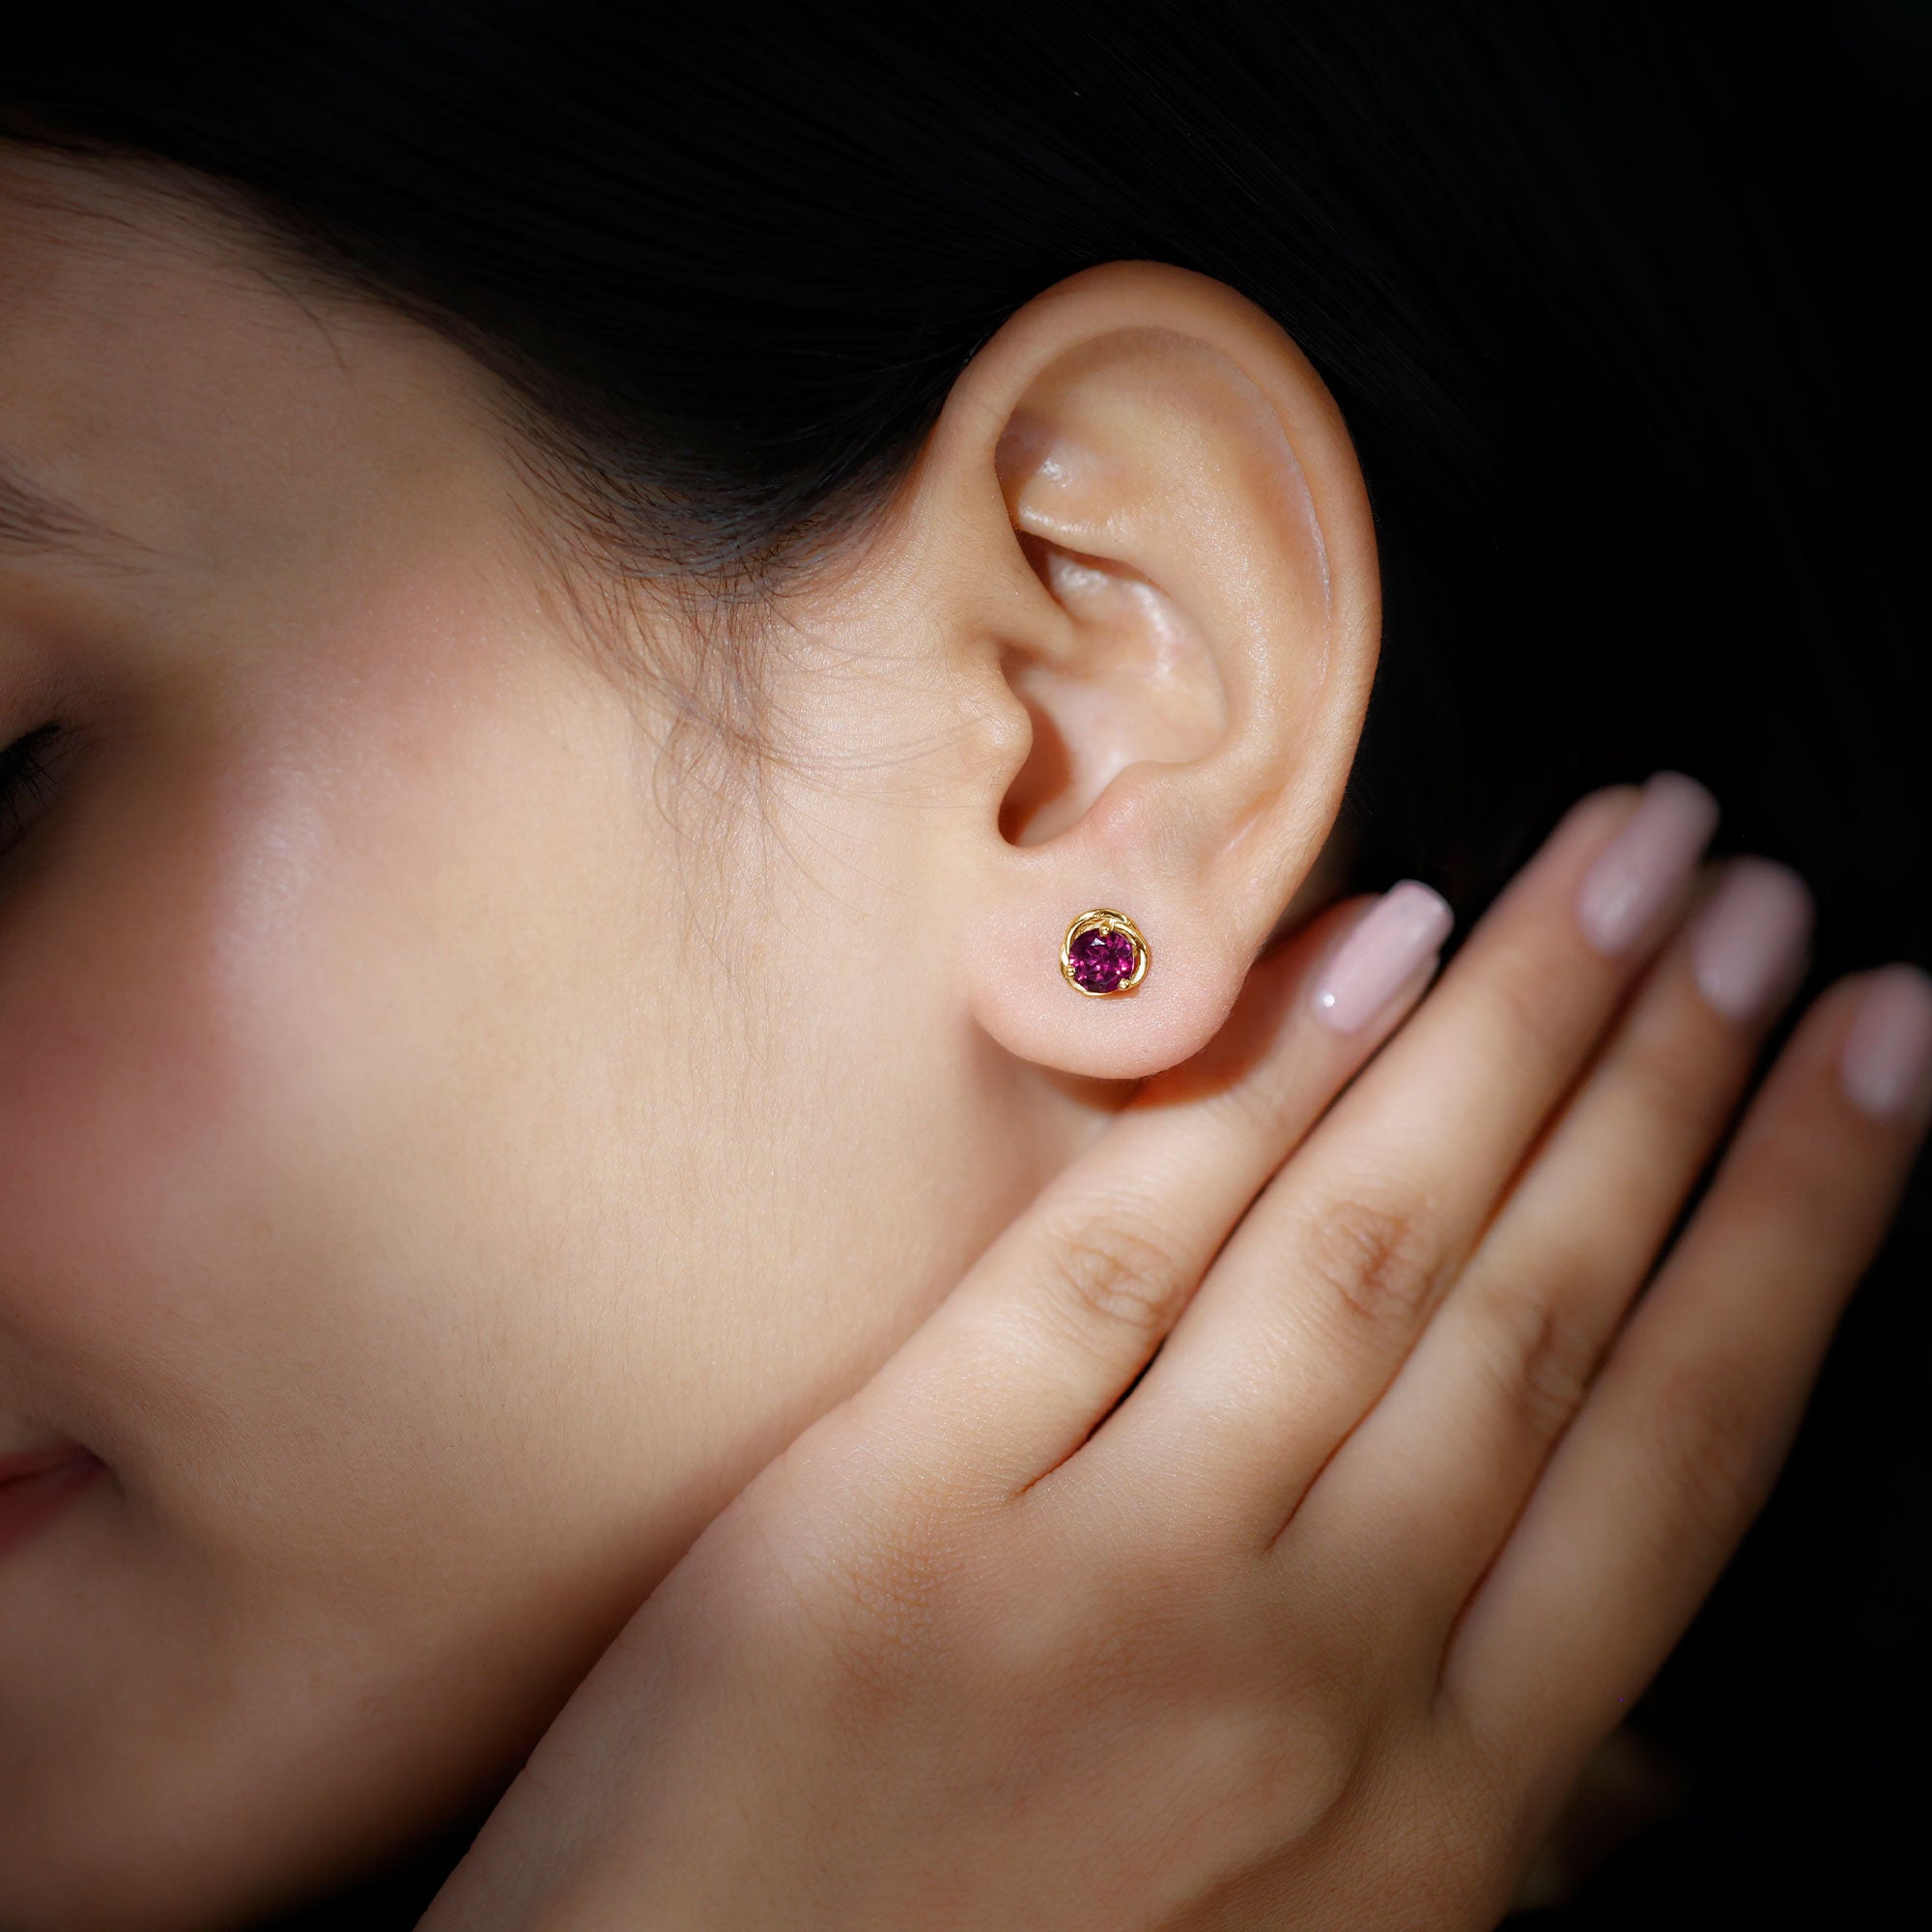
(274, 1249)
(251, 1036)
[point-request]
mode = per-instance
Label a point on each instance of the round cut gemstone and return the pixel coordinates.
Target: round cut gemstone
(1101, 959)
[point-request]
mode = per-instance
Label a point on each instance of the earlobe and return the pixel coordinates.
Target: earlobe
(1193, 653)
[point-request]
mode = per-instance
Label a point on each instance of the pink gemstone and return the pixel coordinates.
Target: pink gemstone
(1101, 959)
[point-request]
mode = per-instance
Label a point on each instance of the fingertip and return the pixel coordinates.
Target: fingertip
(1749, 941)
(1381, 954)
(1884, 1061)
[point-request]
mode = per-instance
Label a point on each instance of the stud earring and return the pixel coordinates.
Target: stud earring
(1103, 953)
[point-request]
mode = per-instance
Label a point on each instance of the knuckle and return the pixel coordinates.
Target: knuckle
(1377, 1260)
(1294, 1773)
(1795, 1171)
(1436, 1842)
(1541, 1356)
(874, 1614)
(1532, 1013)
(1113, 1273)
(1680, 1089)
(1455, 1861)
(1709, 1451)
(1268, 1106)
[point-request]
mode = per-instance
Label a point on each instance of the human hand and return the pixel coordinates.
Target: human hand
(1317, 1625)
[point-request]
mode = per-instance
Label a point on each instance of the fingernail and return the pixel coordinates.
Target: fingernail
(1635, 876)
(1393, 938)
(1747, 940)
(1889, 1046)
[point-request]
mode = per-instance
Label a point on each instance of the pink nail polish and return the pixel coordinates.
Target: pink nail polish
(1635, 876)
(1406, 926)
(1889, 1046)
(1747, 941)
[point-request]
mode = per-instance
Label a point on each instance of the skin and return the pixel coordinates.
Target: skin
(426, 1192)
(426, 1231)
(1311, 1617)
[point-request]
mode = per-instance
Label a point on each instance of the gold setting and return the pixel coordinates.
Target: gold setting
(1106, 918)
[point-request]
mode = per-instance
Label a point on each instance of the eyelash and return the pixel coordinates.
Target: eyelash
(24, 773)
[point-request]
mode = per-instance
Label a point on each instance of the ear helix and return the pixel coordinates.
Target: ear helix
(1103, 953)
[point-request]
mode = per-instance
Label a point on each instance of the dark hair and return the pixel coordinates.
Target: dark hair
(1594, 285)
(1552, 262)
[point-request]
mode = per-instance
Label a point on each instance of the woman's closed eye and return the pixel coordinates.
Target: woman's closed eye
(28, 780)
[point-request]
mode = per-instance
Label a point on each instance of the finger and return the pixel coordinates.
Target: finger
(1324, 1288)
(1066, 1306)
(1680, 1440)
(1415, 1504)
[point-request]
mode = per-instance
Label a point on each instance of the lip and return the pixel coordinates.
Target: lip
(36, 1485)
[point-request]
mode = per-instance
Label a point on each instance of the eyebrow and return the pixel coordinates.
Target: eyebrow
(36, 522)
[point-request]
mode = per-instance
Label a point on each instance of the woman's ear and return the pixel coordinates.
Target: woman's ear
(1156, 568)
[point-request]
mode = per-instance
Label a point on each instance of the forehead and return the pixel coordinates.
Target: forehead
(166, 376)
